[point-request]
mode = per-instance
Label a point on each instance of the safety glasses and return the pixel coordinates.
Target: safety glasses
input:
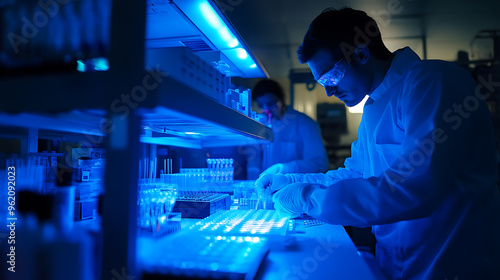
(269, 105)
(333, 77)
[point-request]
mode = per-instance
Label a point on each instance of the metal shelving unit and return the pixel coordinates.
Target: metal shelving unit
(90, 103)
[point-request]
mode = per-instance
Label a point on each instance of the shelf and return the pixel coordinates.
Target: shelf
(199, 119)
(172, 113)
(54, 92)
(74, 122)
(140, 103)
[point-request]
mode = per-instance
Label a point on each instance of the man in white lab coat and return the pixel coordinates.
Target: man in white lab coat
(423, 171)
(297, 145)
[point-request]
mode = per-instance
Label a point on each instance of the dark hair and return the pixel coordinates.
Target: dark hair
(268, 86)
(342, 30)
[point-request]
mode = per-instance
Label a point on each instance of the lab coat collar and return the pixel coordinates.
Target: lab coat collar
(401, 63)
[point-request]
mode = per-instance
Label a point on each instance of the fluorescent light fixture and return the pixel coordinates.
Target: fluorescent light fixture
(244, 62)
(242, 54)
(210, 15)
(359, 107)
(210, 20)
(192, 133)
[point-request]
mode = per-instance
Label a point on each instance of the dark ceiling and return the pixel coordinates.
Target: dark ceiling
(273, 29)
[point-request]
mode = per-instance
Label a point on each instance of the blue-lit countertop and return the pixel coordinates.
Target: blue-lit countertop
(322, 252)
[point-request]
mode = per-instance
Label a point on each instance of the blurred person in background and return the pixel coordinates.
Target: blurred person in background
(297, 145)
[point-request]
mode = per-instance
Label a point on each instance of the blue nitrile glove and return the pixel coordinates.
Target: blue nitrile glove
(269, 183)
(273, 169)
(293, 200)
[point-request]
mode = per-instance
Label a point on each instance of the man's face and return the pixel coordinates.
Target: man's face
(270, 105)
(352, 86)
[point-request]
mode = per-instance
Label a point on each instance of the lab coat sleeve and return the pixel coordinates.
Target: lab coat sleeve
(313, 153)
(353, 168)
(418, 180)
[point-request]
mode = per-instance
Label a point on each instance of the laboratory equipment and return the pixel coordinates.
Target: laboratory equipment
(88, 164)
(84, 169)
(220, 169)
(239, 101)
(264, 223)
(201, 205)
(228, 245)
(183, 65)
(155, 202)
(187, 255)
(85, 209)
(195, 178)
(310, 221)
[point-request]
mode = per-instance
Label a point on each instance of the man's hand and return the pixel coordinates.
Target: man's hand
(270, 183)
(293, 200)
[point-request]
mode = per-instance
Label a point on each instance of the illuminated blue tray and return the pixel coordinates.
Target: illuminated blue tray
(188, 255)
(243, 222)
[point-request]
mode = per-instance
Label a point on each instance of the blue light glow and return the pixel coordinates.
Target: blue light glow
(210, 15)
(225, 34)
(221, 36)
(101, 64)
(216, 23)
(242, 60)
(234, 43)
(162, 219)
(80, 66)
(214, 266)
(242, 53)
(93, 64)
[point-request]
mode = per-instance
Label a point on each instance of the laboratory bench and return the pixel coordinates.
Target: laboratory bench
(171, 110)
(321, 251)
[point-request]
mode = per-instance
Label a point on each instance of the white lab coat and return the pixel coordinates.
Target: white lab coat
(423, 173)
(297, 145)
